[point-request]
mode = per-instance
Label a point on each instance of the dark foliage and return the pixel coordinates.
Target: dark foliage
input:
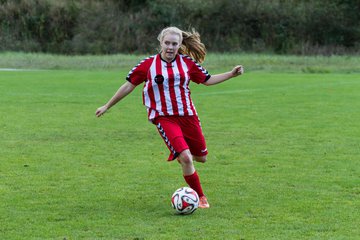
(131, 26)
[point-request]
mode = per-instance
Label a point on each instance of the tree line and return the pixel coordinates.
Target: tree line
(131, 26)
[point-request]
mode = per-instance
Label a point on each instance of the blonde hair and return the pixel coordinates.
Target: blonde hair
(190, 42)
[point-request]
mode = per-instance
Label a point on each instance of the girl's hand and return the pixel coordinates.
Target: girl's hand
(101, 110)
(238, 70)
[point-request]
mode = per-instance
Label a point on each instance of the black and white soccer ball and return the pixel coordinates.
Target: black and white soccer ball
(185, 200)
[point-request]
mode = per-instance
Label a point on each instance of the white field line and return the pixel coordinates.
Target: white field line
(17, 70)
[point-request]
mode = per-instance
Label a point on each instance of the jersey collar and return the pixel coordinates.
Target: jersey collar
(176, 56)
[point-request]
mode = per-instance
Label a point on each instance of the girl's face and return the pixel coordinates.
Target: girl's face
(170, 46)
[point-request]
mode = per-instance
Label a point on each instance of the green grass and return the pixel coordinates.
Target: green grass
(283, 159)
(213, 62)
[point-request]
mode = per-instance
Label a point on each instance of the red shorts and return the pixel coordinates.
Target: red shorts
(181, 133)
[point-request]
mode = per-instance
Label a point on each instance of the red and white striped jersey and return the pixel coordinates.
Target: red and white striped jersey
(166, 90)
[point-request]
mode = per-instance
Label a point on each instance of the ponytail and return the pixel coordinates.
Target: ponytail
(192, 46)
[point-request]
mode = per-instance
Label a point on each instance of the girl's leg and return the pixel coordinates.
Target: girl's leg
(191, 176)
(189, 172)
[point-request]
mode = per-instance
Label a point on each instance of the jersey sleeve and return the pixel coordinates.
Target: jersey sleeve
(138, 74)
(197, 73)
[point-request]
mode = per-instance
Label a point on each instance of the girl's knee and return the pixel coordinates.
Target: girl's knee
(201, 159)
(185, 157)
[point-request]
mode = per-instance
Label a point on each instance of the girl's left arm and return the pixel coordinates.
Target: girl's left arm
(218, 78)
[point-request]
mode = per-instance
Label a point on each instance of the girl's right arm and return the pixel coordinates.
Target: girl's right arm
(123, 91)
(218, 78)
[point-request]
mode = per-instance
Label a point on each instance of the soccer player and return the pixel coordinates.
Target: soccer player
(166, 95)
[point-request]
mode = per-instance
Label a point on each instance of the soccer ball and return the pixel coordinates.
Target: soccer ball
(185, 200)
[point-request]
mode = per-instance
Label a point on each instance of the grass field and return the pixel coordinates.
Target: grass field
(283, 155)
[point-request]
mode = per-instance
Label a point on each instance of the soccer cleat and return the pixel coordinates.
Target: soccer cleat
(203, 202)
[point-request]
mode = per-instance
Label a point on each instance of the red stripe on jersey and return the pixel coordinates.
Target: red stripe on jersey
(172, 85)
(190, 65)
(150, 91)
(182, 83)
(161, 86)
(191, 102)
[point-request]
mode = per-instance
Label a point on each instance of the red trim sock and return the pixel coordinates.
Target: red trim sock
(194, 182)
